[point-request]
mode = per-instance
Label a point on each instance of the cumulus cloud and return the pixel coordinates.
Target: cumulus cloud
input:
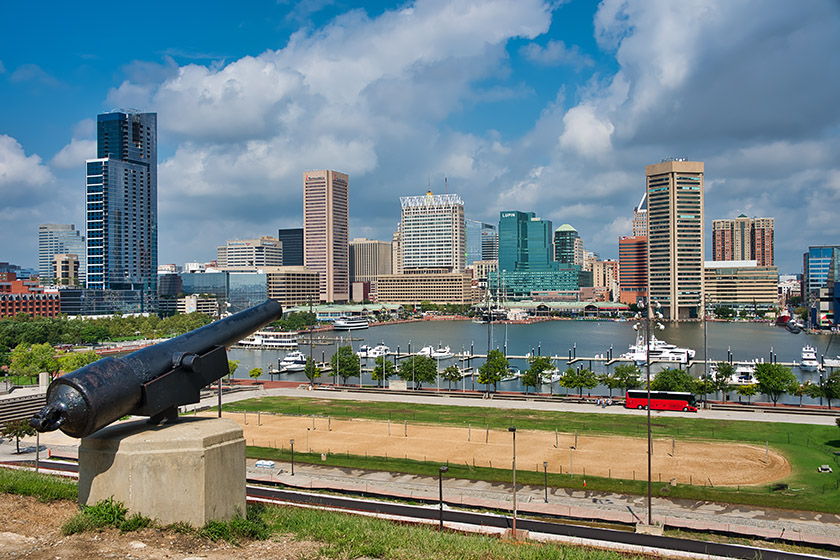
(19, 173)
(35, 74)
(555, 53)
(74, 154)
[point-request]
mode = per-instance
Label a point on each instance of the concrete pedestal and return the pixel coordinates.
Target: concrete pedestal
(192, 471)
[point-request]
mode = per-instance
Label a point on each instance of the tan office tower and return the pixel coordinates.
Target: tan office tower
(675, 237)
(325, 232)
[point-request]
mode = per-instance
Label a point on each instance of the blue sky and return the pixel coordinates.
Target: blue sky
(551, 107)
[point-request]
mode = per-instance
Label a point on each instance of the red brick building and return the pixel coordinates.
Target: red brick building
(26, 296)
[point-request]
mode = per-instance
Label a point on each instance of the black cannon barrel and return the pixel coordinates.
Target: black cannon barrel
(95, 395)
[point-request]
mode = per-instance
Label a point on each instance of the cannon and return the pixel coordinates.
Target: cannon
(152, 382)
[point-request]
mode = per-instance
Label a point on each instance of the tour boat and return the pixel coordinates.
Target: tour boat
(350, 323)
(270, 340)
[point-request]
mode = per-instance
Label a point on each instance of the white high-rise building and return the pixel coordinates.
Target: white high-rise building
(432, 233)
(252, 254)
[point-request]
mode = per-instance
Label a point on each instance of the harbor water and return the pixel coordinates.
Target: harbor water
(558, 339)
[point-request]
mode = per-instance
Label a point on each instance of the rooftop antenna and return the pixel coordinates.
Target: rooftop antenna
(446, 185)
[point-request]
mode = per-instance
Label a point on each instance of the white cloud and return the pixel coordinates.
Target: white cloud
(585, 132)
(555, 53)
(34, 73)
(74, 154)
(19, 171)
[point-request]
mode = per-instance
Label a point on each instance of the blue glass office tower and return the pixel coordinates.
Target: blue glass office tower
(526, 258)
(121, 218)
(482, 241)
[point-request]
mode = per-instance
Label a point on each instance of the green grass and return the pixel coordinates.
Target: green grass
(805, 446)
(105, 513)
(44, 487)
(347, 536)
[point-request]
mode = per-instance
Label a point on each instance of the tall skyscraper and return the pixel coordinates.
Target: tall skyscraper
(526, 258)
(568, 246)
(632, 269)
(326, 224)
(432, 233)
(292, 240)
(640, 218)
(675, 237)
(743, 239)
(56, 239)
(815, 266)
(122, 243)
(482, 241)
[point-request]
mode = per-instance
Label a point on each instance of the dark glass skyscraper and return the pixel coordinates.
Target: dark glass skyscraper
(121, 217)
(292, 240)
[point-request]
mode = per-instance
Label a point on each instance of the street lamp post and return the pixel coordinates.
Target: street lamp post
(545, 472)
(442, 470)
(292, 443)
(512, 430)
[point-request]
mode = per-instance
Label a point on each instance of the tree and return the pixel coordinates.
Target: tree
(311, 370)
(255, 373)
(671, 379)
(747, 391)
(804, 389)
(71, 361)
(704, 385)
(609, 381)
(831, 387)
(29, 360)
(419, 369)
(18, 429)
(724, 312)
(579, 379)
(232, 366)
(774, 380)
(627, 376)
(346, 363)
(492, 370)
(383, 369)
(723, 373)
(451, 374)
(535, 375)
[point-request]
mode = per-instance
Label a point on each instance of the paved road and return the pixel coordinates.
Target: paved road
(427, 398)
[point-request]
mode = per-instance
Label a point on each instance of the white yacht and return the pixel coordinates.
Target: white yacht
(347, 323)
(442, 353)
(426, 351)
(511, 374)
(270, 340)
(809, 359)
(377, 351)
(293, 361)
(660, 351)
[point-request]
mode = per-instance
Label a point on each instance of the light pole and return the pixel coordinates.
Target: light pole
(512, 430)
(545, 472)
(292, 443)
(442, 470)
(649, 439)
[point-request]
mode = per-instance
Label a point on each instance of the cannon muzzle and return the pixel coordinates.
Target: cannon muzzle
(151, 382)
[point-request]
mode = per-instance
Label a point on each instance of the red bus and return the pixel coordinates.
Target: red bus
(661, 400)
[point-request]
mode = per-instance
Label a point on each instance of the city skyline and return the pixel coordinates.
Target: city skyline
(555, 108)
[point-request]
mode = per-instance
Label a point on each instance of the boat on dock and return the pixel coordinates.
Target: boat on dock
(659, 351)
(292, 362)
(442, 353)
(809, 359)
(366, 351)
(270, 340)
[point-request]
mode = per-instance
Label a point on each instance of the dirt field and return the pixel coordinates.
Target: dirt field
(721, 464)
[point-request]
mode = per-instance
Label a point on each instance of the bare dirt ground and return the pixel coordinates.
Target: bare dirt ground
(720, 464)
(32, 531)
